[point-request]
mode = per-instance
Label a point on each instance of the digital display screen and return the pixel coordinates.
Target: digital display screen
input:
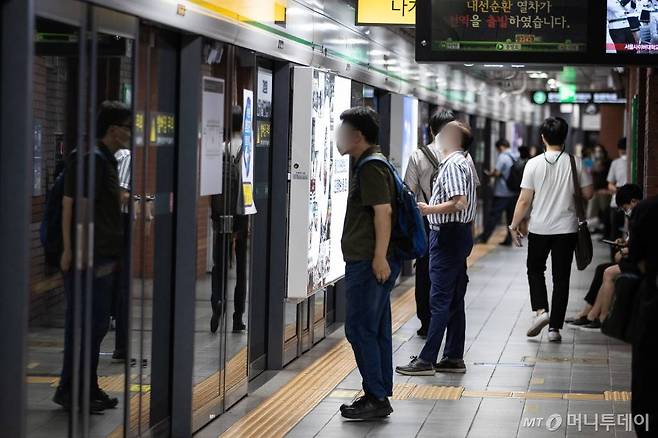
(632, 27)
(527, 26)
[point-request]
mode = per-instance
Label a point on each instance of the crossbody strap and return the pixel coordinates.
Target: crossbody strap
(578, 193)
(430, 156)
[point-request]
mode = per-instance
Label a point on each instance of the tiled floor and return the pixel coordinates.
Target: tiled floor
(499, 357)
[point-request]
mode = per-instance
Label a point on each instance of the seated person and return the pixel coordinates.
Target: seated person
(602, 289)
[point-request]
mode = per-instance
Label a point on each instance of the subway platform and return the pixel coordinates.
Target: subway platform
(514, 386)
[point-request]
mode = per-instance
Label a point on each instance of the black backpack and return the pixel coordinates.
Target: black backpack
(516, 174)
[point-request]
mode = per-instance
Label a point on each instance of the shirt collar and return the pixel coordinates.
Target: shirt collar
(451, 156)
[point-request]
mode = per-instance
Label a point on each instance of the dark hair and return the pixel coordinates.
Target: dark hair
(554, 130)
(524, 152)
(467, 137)
(440, 118)
(628, 192)
(111, 113)
(236, 118)
(621, 144)
(502, 143)
(365, 120)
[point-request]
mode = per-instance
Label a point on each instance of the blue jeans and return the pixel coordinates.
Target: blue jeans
(368, 325)
(449, 249)
(103, 287)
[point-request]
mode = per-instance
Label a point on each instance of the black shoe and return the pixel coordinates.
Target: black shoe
(578, 321)
(366, 408)
(214, 321)
(505, 243)
(63, 398)
(447, 365)
(238, 325)
(480, 239)
(101, 400)
(119, 355)
(593, 325)
(417, 367)
(422, 331)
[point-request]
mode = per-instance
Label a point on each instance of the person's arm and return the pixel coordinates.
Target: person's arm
(67, 218)
(588, 192)
(383, 220)
(412, 176)
(520, 212)
(453, 205)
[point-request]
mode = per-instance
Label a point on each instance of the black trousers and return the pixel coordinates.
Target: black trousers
(217, 298)
(561, 247)
(597, 281)
(423, 285)
(122, 290)
(499, 205)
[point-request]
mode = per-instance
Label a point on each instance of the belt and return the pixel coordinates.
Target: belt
(448, 225)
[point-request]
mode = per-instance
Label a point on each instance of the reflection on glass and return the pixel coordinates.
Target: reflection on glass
(55, 371)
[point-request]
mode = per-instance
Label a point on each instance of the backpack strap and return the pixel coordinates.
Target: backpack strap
(580, 201)
(378, 157)
(430, 156)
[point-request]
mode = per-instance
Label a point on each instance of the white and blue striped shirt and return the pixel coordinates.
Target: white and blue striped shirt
(123, 158)
(455, 178)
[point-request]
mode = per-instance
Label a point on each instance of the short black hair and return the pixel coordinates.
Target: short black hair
(111, 113)
(502, 143)
(524, 152)
(554, 130)
(236, 118)
(467, 136)
(628, 192)
(440, 118)
(365, 120)
(621, 144)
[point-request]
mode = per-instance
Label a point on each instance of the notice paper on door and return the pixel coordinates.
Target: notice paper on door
(212, 125)
(248, 152)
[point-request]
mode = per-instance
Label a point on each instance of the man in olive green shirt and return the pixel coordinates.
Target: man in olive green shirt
(370, 266)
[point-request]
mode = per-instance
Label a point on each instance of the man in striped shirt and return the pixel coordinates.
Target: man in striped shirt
(451, 213)
(123, 158)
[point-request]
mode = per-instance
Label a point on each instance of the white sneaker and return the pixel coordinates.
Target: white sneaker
(554, 336)
(538, 323)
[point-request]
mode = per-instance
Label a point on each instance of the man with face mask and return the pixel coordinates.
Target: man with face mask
(371, 268)
(602, 288)
(114, 130)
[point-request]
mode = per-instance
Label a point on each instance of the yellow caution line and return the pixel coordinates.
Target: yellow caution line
(277, 415)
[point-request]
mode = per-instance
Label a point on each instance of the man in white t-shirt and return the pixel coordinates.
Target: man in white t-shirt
(617, 177)
(547, 187)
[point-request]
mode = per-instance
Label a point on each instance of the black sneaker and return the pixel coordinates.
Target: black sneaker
(578, 321)
(119, 356)
(422, 332)
(417, 367)
(238, 326)
(447, 365)
(101, 399)
(63, 398)
(366, 408)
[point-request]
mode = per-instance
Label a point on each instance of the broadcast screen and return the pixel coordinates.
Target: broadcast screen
(529, 26)
(632, 27)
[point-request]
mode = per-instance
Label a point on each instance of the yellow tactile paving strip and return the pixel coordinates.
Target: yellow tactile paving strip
(284, 409)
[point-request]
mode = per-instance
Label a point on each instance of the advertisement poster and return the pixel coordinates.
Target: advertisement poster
(248, 152)
(319, 181)
(264, 108)
(212, 125)
(404, 130)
